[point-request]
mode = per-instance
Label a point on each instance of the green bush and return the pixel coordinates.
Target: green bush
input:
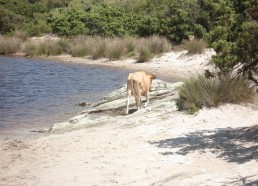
(212, 92)
(195, 46)
(37, 28)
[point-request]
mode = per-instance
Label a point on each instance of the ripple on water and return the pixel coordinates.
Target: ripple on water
(35, 94)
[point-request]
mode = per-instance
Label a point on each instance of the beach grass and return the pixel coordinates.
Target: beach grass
(198, 92)
(9, 45)
(143, 49)
(195, 46)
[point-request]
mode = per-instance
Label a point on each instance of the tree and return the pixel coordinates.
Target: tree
(247, 48)
(9, 21)
(70, 23)
(236, 44)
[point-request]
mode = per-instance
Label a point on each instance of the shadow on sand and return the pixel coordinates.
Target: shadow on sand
(234, 145)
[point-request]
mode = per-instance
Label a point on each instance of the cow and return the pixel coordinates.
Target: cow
(139, 84)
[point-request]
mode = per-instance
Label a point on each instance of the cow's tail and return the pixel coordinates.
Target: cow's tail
(136, 92)
(132, 86)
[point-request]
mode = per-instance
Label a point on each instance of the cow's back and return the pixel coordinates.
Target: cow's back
(143, 81)
(129, 84)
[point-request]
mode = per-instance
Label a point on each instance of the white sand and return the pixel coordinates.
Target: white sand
(154, 146)
(173, 65)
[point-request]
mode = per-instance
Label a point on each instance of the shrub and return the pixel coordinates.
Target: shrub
(63, 43)
(9, 45)
(116, 49)
(158, 44)
(79, 51)
(130, 46)
(195, 46)
(50, 48)
(37, 28)
(80, 46)
(116, 52)
(31, 49)
(100, 49)
(144, 55)
(212, 92)
(20, 34)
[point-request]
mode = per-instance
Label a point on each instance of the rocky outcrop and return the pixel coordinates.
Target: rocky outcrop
(111, 108)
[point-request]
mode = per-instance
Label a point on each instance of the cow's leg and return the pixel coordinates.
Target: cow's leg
(147, 99)
(136, 101)
(127, 104)
(140, 101)
(140, 98)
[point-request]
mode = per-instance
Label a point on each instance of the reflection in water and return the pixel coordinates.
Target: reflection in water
(36, 94)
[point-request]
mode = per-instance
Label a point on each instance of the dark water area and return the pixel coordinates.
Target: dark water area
(35, 94)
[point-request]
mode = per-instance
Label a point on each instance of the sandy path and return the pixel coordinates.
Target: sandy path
(173, 65)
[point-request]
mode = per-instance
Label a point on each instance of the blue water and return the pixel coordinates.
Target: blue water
(35, 94)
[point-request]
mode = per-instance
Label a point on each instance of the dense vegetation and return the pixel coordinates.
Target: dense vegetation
(230, 27)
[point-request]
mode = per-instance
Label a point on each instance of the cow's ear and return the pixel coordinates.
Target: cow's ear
(153, 76)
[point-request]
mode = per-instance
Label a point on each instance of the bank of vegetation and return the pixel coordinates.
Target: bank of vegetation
(229, 27)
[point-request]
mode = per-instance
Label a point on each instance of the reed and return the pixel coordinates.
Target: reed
(9, 45)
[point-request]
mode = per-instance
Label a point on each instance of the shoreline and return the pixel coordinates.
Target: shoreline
(157, 145)
(172, 65)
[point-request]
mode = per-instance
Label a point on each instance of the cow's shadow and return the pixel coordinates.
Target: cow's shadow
(131, 111)
(234, 145)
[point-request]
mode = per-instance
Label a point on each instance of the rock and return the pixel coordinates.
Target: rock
(83, 104)
(111, 108)
(76, 119)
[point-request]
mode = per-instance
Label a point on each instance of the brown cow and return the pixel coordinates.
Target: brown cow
(139, 84)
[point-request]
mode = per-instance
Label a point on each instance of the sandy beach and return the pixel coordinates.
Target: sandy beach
(157, 145)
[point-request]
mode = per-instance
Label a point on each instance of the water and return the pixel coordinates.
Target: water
(35, 94)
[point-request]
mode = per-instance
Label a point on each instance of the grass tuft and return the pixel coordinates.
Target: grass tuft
(80, 46)
(212, 92)
(9, 45)
(47, 48)
(144, 55)
(158, 45)
(195, 46)
(116, 50)
(100, 49)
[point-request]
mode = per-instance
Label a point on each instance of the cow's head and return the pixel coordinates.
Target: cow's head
(152, 76)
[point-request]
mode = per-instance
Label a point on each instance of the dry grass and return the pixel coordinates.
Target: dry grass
(9, 45)
(144, 55)
(80, 46)
(44, 48)
(158, 45)
(144, 49)
(195, 46)
(116, 49)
